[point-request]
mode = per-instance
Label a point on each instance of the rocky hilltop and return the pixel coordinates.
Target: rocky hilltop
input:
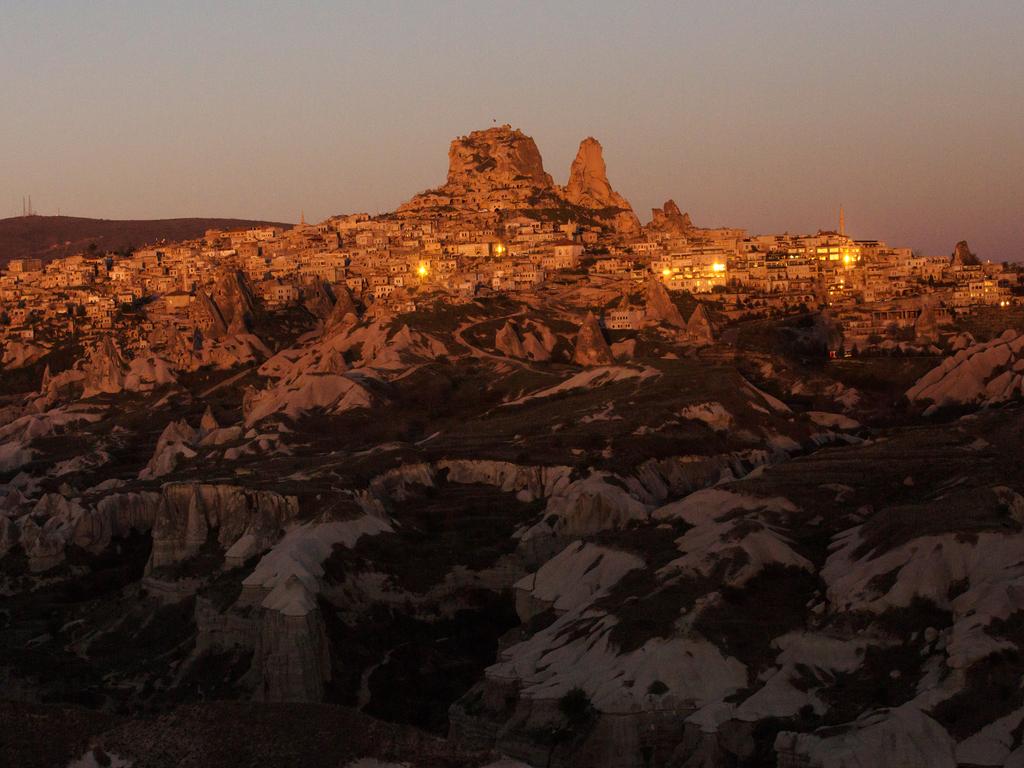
(496, 158)
(501, 169)
(670, 219)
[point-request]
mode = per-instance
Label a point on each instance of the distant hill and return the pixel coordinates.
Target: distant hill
(50, 237)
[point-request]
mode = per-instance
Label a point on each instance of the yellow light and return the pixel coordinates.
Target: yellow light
(718, 267)
(846, 259)
(422, 270)
(499, 249)
(666, 272)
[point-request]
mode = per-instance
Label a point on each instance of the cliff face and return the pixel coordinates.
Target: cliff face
(189, 511)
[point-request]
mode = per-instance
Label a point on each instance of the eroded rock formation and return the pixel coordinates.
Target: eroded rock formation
(591, 347)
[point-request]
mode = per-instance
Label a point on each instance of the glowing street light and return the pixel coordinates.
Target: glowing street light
(422, 270)
(666, 272)
(718, 267)
(499, 249)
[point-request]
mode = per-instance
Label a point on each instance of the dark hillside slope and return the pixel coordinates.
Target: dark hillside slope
(50, 237)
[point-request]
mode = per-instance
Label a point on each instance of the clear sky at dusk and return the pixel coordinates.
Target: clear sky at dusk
(764, 115)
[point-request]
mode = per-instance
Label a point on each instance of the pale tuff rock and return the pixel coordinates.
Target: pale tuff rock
(735, 547)
(106, 372)
(888, 739)
(587, 506)
(236, 301)
(287, 578)
(16, 436)
(508, 343)
(292, 655)
(62, 387)
(591, 379)
(18, 354)
(926, 326)
(208, 423)
(589, 186)
(536, 348)
(315, 378)
(529, 482)
(928, 567)
(555, 660)
(993, 744)
(987, 373)
(580, 574)
(56, 522)
(496, 157)
(591, 348)
(659, 306)
(669, 219)
(711, 413)
(318, 301)
(188, 512)
(343, 313)
(208, 309)
(699, 329)
(174, 443)
(222, 352)
(105, 369)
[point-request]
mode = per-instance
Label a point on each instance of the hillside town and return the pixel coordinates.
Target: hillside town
(506, 230)
(507, 478)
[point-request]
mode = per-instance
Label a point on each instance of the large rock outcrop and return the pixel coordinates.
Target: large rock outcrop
(660, 308)
(962, 256)
(699, 328)
(54, 523)
(236, 301)
(670, 219)
(343, 313)
(245, 522)
(982, 374)
(496, 157)
(105, 370)
(589, 187)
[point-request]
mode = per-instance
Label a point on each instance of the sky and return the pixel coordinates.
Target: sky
(762, 115)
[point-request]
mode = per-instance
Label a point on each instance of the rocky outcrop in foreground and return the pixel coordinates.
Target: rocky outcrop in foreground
(591, 347)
